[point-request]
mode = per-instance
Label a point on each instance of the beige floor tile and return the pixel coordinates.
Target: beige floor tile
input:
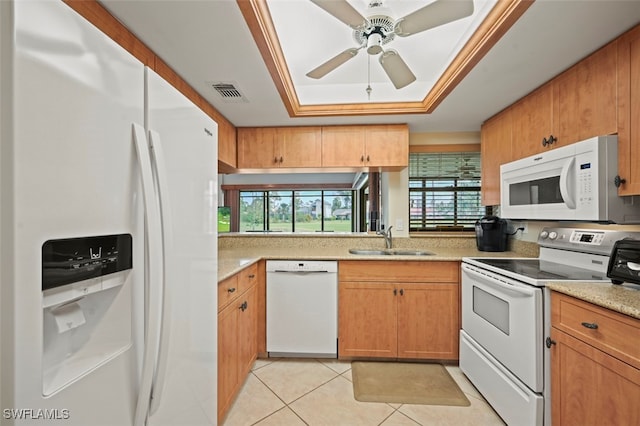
(332, 404)
(284, 417)
(261, 362)
(399, 419)
(336, 365)
(292, 378)
(254, 402)
(479, 413)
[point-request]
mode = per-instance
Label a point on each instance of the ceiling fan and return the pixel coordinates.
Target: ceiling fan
(379, 28)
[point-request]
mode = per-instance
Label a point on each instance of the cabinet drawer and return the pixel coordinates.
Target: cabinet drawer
(399, 271)
(227, 291)
(609, 331)
(247, 278)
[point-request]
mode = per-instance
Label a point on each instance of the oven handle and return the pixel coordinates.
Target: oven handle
(499, 283)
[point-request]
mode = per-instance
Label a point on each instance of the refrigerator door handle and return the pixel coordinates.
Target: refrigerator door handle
(158, 161)
(153, 260)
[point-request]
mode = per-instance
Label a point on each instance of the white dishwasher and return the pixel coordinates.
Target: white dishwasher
(302, 308)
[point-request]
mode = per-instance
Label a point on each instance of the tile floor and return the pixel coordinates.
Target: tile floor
(298, 392)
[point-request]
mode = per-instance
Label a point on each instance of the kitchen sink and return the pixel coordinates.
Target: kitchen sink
(371, 252)
(391, 252)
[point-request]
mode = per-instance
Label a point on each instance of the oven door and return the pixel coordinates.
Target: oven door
(505, 317)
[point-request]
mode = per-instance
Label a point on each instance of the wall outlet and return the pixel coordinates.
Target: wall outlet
(399, 225)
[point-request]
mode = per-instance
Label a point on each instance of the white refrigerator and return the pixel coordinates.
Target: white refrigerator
(108, 240)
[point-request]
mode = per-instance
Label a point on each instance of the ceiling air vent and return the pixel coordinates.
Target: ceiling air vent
(228, 92)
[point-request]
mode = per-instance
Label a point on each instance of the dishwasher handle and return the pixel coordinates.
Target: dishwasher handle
(319, 271)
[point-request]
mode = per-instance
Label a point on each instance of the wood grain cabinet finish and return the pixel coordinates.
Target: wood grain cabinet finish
(495, 150)
(384, 146)
(585, 98)
(533, 122)
(238, 319)
(595, 361)
(629, 112)
(279, 147)
(394, 309)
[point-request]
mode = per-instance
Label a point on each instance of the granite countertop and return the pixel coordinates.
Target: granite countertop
(233, 260)
(620, 298)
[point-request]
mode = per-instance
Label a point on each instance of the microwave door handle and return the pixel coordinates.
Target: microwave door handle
(566, 187)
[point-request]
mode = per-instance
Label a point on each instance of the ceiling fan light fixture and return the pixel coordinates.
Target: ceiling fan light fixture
(374, 44)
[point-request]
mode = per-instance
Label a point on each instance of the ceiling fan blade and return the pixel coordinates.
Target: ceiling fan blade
(397, 70)
(333, 63)
(343, 11)
(432, 15)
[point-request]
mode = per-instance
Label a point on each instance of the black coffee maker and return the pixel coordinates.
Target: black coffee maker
(492, 233)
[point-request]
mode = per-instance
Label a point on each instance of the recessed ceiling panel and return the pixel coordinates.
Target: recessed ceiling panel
(310, 36)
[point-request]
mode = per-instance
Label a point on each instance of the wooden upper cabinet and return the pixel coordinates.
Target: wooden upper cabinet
(629, 112)
(495, 150)
(585, 98)
(532, 121)
(387, 145)
(227, 148)
(275, 147)
(256, 147)
(299, 146)
(384, 146)
(343, 146)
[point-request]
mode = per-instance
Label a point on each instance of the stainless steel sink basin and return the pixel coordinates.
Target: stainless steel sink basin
(370, 252)
(390, 252)
(409, 252)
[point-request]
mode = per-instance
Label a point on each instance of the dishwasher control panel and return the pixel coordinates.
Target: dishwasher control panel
(302, 266)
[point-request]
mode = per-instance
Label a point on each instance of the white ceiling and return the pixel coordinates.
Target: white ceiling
(310, 41)
(208, 41)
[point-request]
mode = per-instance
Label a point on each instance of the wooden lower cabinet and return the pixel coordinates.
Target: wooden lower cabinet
(237, 335)
(595, 374)
(410, 311)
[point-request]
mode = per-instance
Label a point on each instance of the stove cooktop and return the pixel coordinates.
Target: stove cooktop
(543, 270)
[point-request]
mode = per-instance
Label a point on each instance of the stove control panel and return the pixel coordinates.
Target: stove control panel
(584, 240)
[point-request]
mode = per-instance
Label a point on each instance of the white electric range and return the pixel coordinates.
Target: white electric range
(506, 318)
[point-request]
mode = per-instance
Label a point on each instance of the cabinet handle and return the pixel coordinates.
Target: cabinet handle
(243, 307)
(252, 276)
(362, 159)
(549, 342)
(275, 160)
(591, 325)
(367, 158)
(401, 292)
(617, 181)
(552, 139)
(231, 290)
(395, 291)
(280, 160)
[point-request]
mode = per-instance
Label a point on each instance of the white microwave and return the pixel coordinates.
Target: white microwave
(574, 182)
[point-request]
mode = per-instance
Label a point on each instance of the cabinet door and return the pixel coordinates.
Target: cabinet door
(247, 331)
(585, 98)
(387, 145)
(629, 112)
(589, 387)
(227, 358)
(343, 146)
(495, 151)
(532, 122)
(428, 321)
(299, 146)
(367, 320)
(256, 147)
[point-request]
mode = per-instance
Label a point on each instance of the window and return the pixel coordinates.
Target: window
(296, 211)
(444, 191)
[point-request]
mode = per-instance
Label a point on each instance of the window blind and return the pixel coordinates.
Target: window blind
(444, 191)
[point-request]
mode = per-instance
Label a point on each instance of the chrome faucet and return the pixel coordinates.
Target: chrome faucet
(387, 237)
